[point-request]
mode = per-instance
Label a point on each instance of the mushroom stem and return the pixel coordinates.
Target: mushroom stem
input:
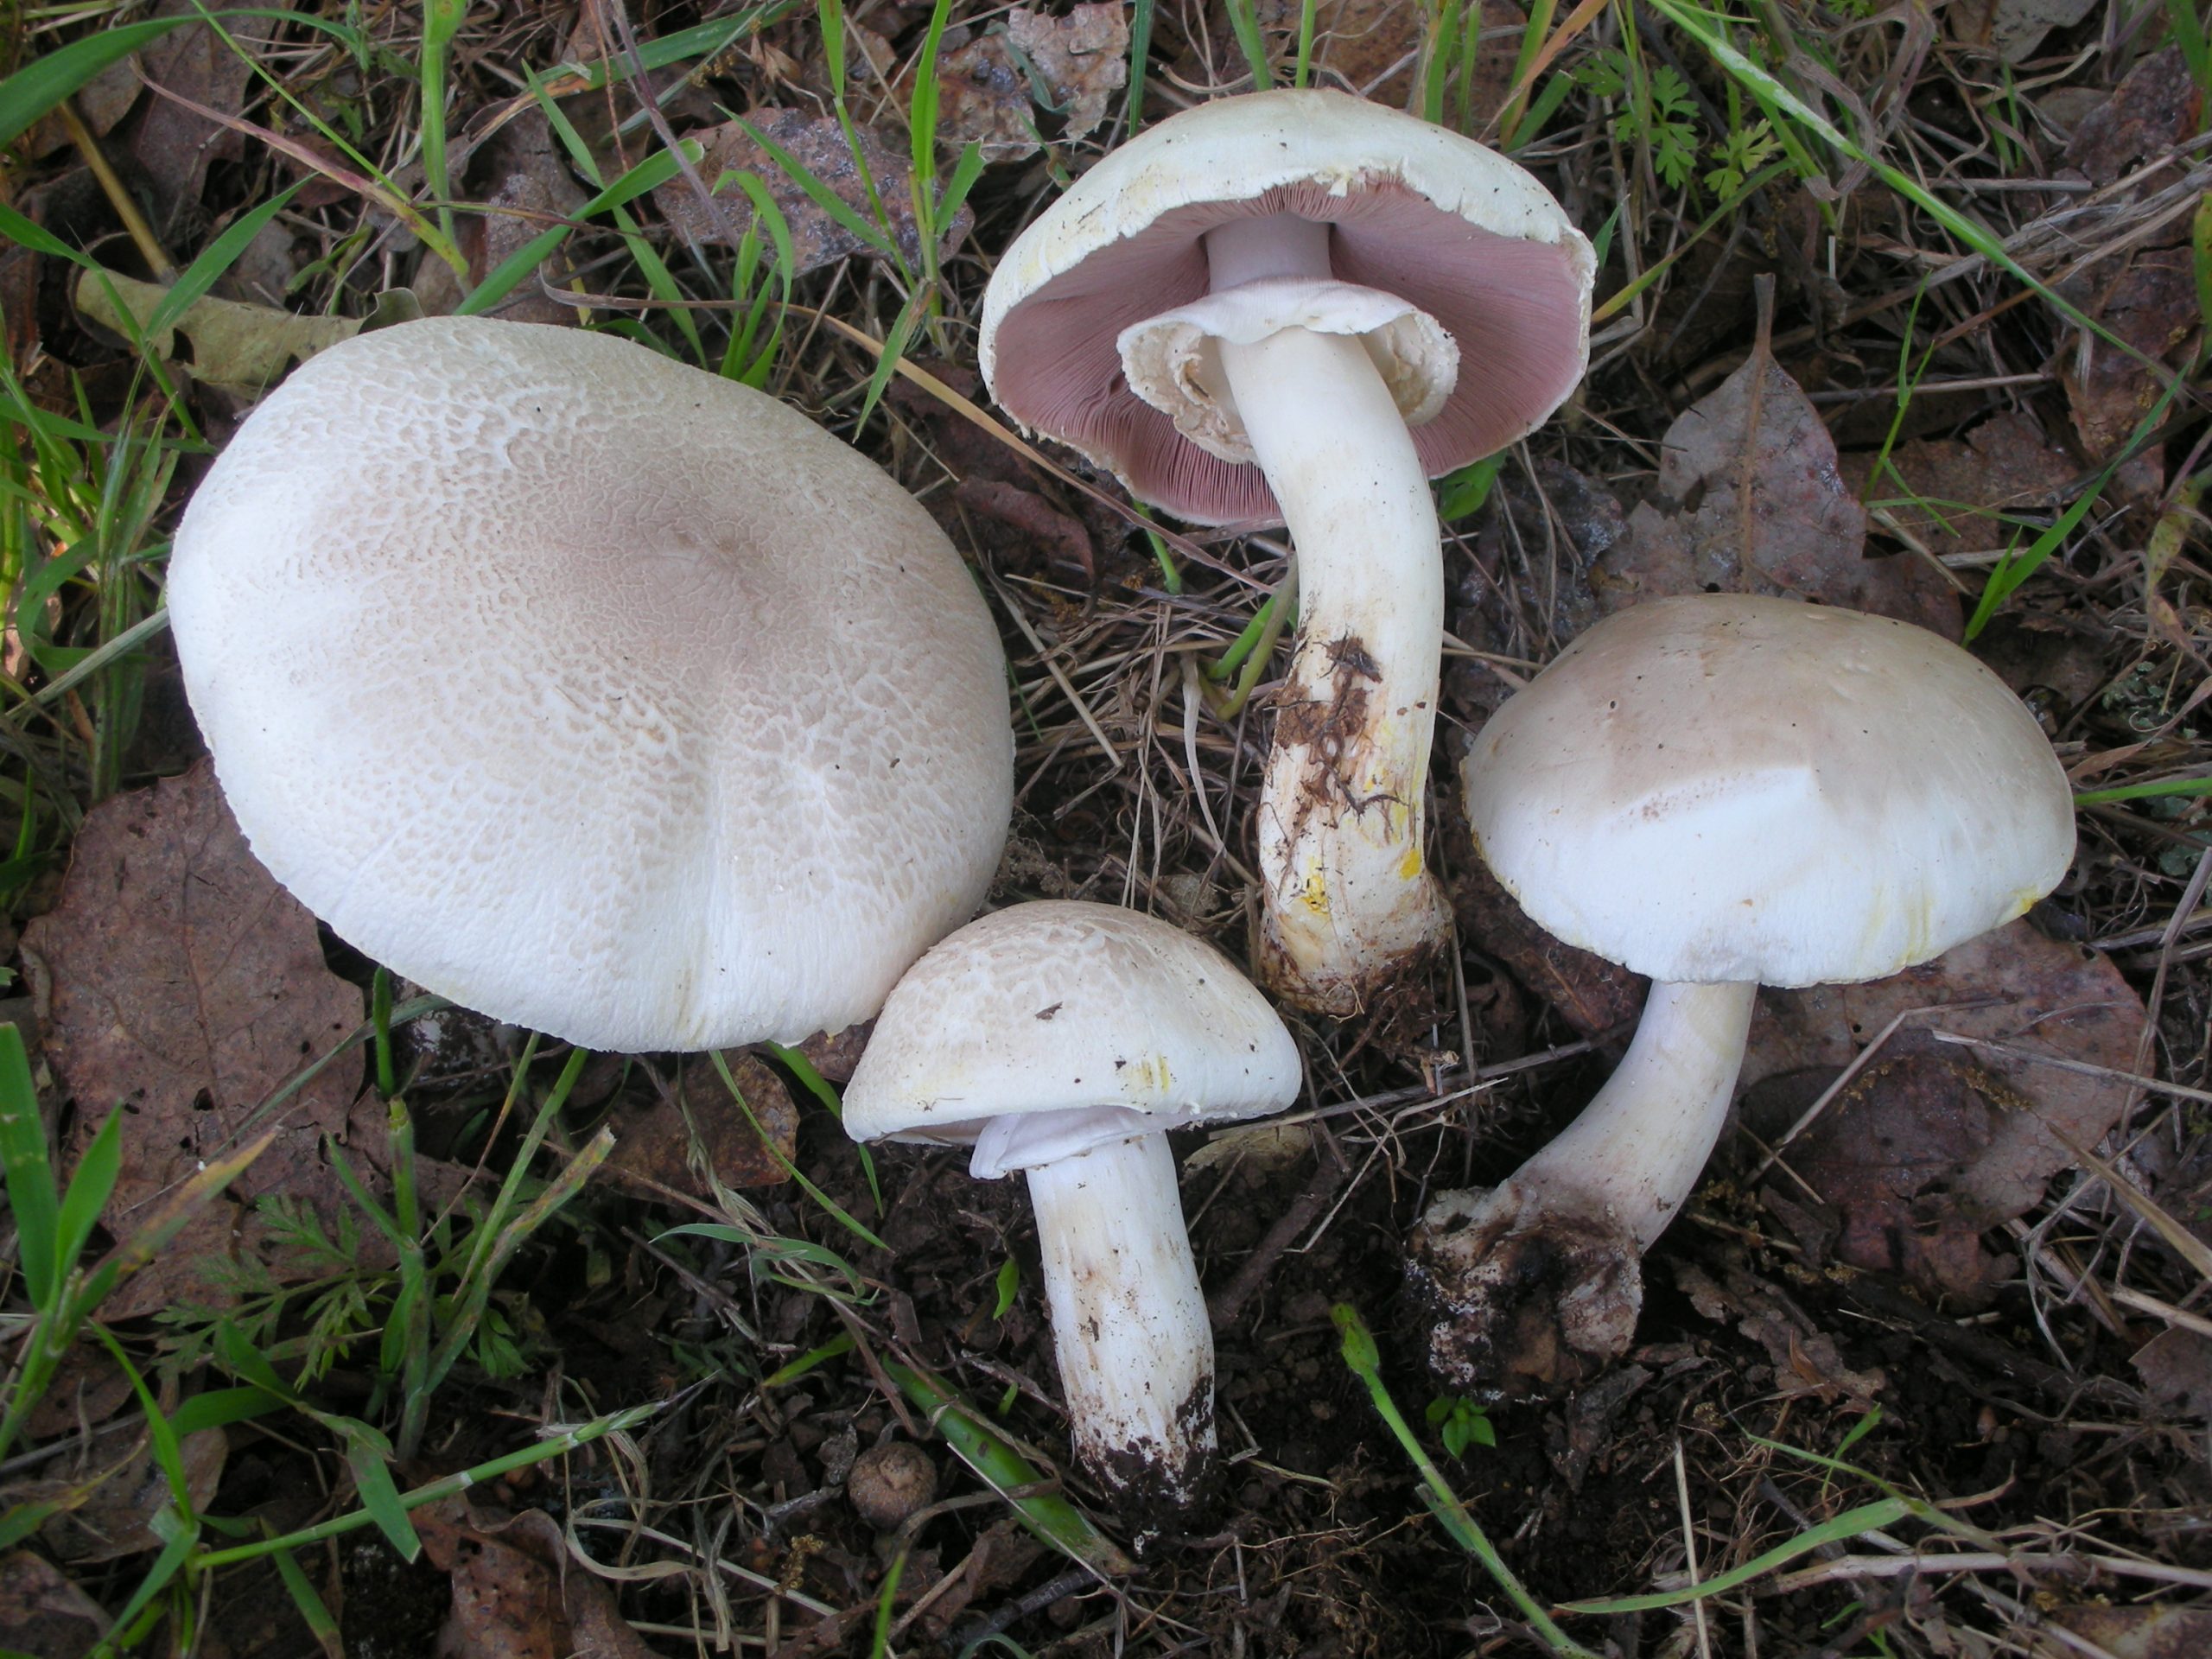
(1537, 1283)
(1350, 900)
(1129, 1319)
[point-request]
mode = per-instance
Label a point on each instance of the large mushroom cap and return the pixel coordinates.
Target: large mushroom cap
(596, 692)
(1064, 1007)
(1414, 210)
(1723, 788)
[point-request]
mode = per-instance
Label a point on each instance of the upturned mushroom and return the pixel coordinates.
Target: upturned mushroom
(1065, 1039)
(1297, 308)
(600, 694)
(1719, 792)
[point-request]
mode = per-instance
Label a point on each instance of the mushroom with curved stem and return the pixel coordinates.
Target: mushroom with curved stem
(1065, 1039)
(552, 674)
(1721, 791)
(1295, 307)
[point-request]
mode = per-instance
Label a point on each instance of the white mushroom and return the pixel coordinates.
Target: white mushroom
(1297, 308)
(600, 694)
(1720, 792)
(1065, 1039)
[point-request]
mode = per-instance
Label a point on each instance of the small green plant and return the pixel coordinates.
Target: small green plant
(1657, 114)
(1739, 155)
(1459, 1424)
(1010, 1282)
(1365, 1361)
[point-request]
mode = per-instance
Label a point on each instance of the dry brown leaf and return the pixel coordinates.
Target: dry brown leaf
(176, 979)
(1933, 1143)
(2176, 1367)
(244, 349)
(987, 98)
(1374, 48)
(516, 1594)
(1959, 485)
(818, 145)
(2150, 303)
(1751, 501)
(2153, 109)
(2013, 28)
(2146, 1630)
(126, 1490)
(1806, 1362)
(673, 1140)
(528, 189)
(42, 1612)
(173, 144)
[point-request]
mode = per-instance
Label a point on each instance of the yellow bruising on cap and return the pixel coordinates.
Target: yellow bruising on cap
(1146, 1079)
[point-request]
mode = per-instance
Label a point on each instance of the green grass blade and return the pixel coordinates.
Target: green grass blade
(220, 1408)
(843, 1218)
(1140, 56)
(2145, 791)
(30, 1175)
(90, 1188)
(31, 92)
(1869, 1518)
(309, 1605)
(820, 194)
(1245, 24)
(1365, 1361)
(1006, 1472)
(648, 174)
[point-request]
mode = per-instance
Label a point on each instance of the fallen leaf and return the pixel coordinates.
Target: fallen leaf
(2176, 1367)
(818, 145)
(111, 1510)
(1259, 1148)
(518, 1593)
(41, 1612)
(2013, 28)
(175, 146)
(673, 1140)
(177, 979)
(2150, 303)
(1947, 493)
(1034, 78)
(1374, 48)
(1000, 506)
(1751, 501)
(1807, 1362)
(244, 349)
(2153, 108)
(1934, 1143)
(2144, 1631)
(1034, 524)
(527, 190)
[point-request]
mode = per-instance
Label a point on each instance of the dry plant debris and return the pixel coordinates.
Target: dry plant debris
(1751, 501)
(1033, 74)
(180, 985)
(817, 144)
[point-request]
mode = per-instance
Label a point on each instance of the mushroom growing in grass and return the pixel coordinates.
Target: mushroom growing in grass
(1065, 1039)
(1297, 308)
(602, 695)
(1720, 792)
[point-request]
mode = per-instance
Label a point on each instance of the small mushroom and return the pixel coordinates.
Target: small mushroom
(1297, 308)
(599, 694)
(1720, 792)
(891, 1484)
(1065, 1039)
